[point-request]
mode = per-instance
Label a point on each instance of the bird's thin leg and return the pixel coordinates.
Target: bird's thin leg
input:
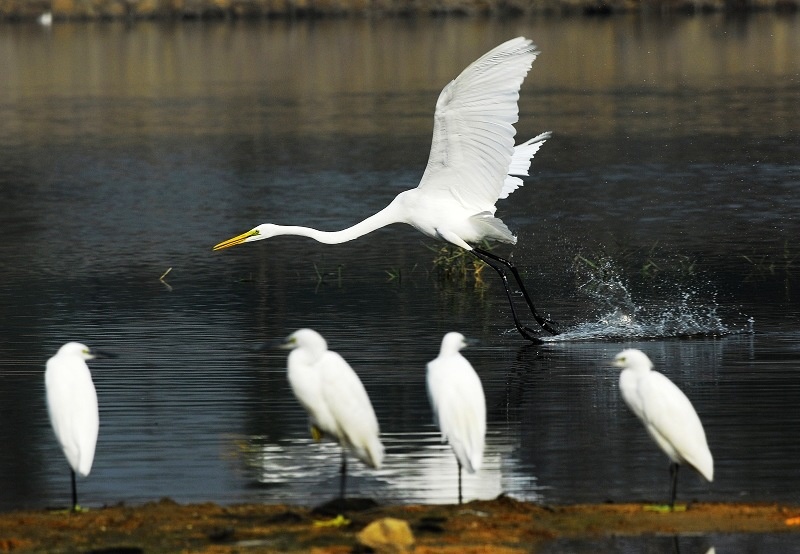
(673, 473)
(676, 543)
(74, 491)
(343, 477)
(492, 260)
(459, 481)
(524, 331)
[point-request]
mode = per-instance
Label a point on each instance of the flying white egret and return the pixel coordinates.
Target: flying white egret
(459, 406)
(667, 414)
(473, 162)
(72, 407)
(335, 399)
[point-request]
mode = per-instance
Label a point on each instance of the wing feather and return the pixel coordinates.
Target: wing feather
(350, 406)
(473, 132)
(671, 415)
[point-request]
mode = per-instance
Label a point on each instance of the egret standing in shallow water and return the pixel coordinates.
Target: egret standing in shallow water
(473, 162)
(459, 406)
(72, 407)
(335, 399)
(667, 414)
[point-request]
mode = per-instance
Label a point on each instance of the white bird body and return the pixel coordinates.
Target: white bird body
(472, 163)
(665, 411)
(72, 405)
(458, 402)
(333, 396)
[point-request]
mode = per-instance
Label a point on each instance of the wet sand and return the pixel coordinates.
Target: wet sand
(502, 526)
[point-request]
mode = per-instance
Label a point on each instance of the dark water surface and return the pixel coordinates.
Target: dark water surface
(665, 205)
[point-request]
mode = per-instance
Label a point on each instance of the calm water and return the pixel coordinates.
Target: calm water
(665, 205)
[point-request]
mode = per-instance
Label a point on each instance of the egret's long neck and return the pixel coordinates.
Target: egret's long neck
(390, 214)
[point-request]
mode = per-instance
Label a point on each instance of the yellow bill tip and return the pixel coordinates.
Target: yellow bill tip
(238, 239)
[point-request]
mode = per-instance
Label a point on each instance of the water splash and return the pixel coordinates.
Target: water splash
(670, 309)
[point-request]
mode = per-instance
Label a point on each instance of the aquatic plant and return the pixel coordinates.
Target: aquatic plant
(454, 264)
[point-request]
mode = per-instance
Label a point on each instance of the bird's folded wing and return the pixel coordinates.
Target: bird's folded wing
(348, 401)
(671, 413)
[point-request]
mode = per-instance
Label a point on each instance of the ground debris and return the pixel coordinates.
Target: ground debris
(501, 525)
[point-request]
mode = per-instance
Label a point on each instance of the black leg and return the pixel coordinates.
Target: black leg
(74, 491)
(493, 261)
(343, 474)
(676, 544)
(459, 482)
(673, 473)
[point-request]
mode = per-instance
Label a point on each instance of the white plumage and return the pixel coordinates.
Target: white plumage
(334, 398)
(72, 407)
(473, 162)
(458, 403)
(666, 413)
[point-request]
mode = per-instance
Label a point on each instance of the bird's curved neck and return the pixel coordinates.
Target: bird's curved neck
(385, 217)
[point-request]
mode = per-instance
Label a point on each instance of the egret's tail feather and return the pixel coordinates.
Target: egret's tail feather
(493, 228)
(705, 466)
(374, 454)
(470, 461)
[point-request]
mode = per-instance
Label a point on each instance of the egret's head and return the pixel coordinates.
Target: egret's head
(263, 231)
(77, 349)
(452, 343)
(307, 339)
(633, 359)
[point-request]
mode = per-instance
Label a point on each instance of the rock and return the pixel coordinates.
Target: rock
(387, 536)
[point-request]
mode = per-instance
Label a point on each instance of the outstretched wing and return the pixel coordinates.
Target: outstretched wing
(473, 130)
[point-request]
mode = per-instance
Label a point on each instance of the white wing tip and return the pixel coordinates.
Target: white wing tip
(540, 138)
(376, 452)
(521, 162)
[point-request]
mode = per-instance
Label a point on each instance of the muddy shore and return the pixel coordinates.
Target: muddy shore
(501, 525)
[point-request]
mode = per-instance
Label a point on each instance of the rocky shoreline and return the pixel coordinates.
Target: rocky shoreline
(62, 10)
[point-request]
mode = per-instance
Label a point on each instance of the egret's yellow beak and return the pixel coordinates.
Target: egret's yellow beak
(289, 344)
(239, 239)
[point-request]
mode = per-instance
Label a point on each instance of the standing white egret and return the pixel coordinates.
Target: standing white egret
(473, 162)
(335, 399)
(667, 414)
(72, 407)
(459, 406)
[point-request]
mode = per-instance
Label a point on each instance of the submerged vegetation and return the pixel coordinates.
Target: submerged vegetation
(456, 265)
(765, 266)
(653, 262)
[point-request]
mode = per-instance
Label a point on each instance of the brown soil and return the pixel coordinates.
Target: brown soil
(498, 526)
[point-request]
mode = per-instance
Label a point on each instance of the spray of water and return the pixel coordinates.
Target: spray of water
(667, 309)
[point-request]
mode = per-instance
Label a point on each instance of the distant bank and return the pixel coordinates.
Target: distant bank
(250, 9)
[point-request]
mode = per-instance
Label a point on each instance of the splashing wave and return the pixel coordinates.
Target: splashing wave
(673, 310)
